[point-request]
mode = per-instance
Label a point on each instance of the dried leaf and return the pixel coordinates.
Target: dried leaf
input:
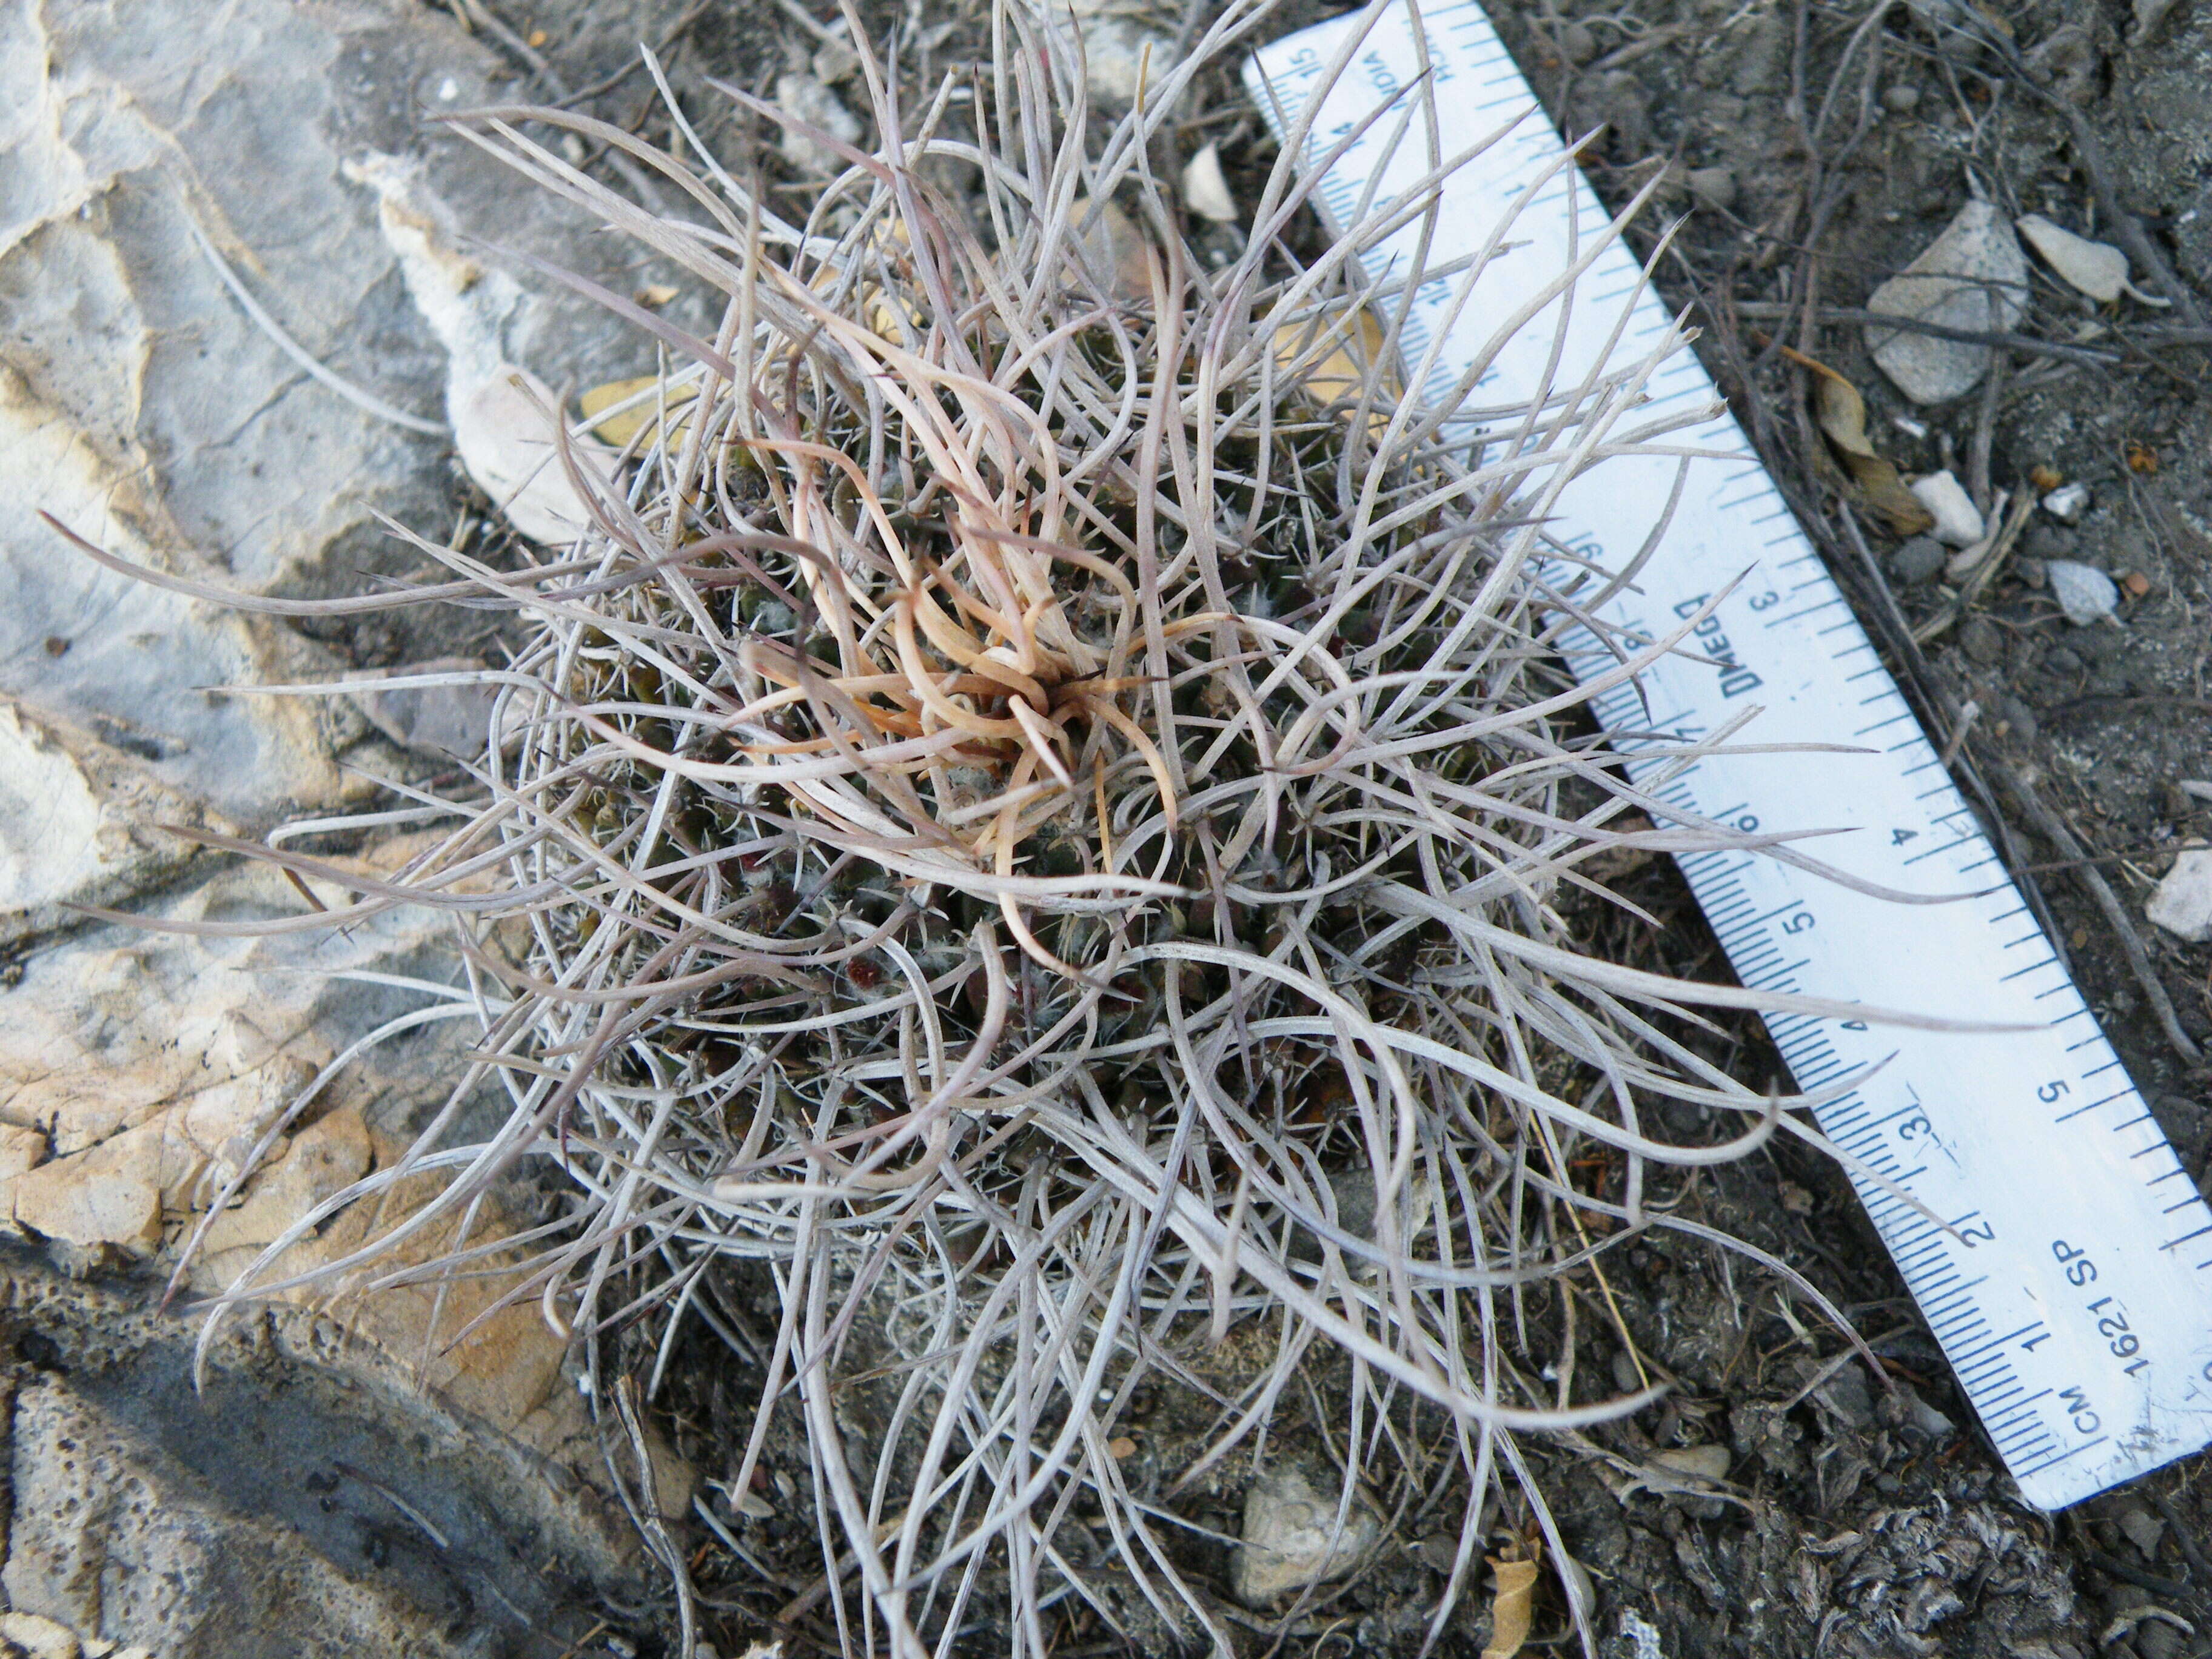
(1842, 414)
(2096, 269)
(619, 429)
(1512, 1608)
(1341, 373)
(1114, 249)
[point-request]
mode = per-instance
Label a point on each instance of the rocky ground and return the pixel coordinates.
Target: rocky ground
(352, 1483)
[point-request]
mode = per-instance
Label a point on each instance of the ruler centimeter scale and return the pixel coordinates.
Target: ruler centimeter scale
(2071, 1289)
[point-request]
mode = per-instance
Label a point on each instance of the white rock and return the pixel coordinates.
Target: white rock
(2084, 593)
(1290, 1536)
(806, 98)
(2143, 1530)
(2182, 903)
(1973, 277)
(1958, 522)
(38, 1638)
(1205, 187)
(1120, 56)
(504, 427)
(502, 416)
(448, 716)
(2068, 503)
(1707, 1462)
(77, 822)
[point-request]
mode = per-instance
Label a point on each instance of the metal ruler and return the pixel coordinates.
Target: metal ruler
(2072, 1287)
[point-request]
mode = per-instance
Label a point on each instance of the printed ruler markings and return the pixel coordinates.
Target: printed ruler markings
(2067, 1237)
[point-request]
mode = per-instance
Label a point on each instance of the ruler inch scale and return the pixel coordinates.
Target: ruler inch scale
(2069, 1278)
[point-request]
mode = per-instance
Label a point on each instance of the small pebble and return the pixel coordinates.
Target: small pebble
(1957, 521)
(2059, 660)
(1704, 1462)
(2084, 593)
(2136, 583)
(56, 645)
(1981, 641)
(2182, 903)
(1206, 188)
(2143, 1529)
(1916, 561)
(1713, 187)
(2034, 572)
(2068, 503)
(1577, 44)
(2017, 718)
(1121, 1448)
(2047, 541)
(1900, 99)
(2046, 478)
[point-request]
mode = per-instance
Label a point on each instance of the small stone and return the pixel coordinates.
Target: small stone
(2018, 718)
(2141, 1529)
(1974, 277)
(1206, 188)
(2136, 583)
(804, 98)
(1898, 99)
(1957, 521)
(2182, 904)
(2084, 593)
(2068, 503)
(1702, 1462)
(2047, 541)
(1981, 641)
(1846, 1395)
(35, 1638)
(1292, 1539)
(56, 645)
(1120, 56)
(1624, 1372)
(1121, 1448)
(1916, 561)
(452, 719)
(1577, 45)
(2033, 572)
(1713, 187)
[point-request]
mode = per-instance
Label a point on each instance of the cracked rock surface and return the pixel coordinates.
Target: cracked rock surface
(370, 1473)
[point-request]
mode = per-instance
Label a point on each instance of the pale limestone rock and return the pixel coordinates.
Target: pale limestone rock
(322, 1160)
(452, 720)
(503, 416)
(2182, 902)
(806, 98)
(1292, 1538)
(1125, 50)
(1205, 187)
(1957, 521)
(39, 1638)
(1973, 277)
(78, 822)
(143, 408)
(106, 1031)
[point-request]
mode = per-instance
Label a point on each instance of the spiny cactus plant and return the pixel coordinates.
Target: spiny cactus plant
(1036, 813)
